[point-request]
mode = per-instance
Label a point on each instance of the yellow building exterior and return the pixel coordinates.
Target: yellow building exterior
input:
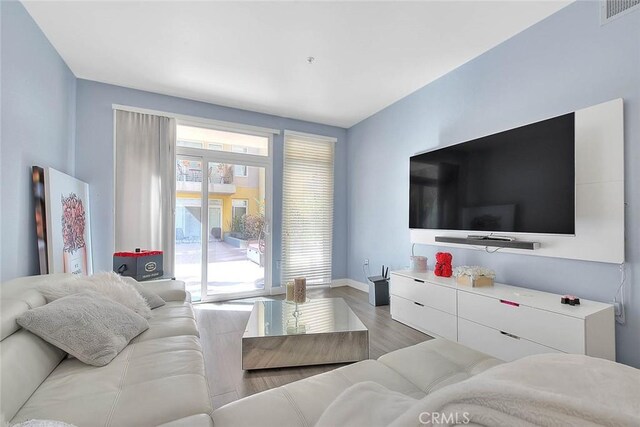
(251, 195)
(241, 191)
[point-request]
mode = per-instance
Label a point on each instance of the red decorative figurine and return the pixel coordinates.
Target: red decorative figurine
(443, 264)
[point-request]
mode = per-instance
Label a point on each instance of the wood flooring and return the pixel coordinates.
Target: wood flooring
(221, 327)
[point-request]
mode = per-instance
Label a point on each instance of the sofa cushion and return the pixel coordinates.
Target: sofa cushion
(168, 290)
(148, 383)
(174, 309)
(161, 327)
(413, 371)
(20, 295)
(200, 420)
(25, 361)
(86, 325)
(383, 406)
(301, 403)
(436, 363)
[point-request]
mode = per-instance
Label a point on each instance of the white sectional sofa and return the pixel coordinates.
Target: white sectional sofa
(158, 379)
(442, 382)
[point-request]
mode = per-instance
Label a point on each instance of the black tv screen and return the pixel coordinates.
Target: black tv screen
(520, 181)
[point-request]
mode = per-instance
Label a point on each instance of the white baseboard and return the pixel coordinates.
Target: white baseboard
(336, 283)
(358, 285)
(351, 283)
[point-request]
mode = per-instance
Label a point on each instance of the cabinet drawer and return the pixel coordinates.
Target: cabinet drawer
(423, 318)
(430, 295)
(554, 330)
(497, 343)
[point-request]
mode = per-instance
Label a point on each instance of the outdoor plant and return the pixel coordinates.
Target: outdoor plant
(237, 226)
(248, 226)
(253, 225)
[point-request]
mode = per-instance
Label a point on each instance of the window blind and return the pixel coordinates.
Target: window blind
(307, 217)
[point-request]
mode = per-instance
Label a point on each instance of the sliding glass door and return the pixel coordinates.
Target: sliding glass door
(223, 212)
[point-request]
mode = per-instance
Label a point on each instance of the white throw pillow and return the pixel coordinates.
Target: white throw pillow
(154, 300)
(109, 285)
(87, 325)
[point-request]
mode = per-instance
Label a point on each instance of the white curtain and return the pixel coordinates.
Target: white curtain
(145, 183)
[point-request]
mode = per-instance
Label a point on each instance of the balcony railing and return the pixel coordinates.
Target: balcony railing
(190, 180)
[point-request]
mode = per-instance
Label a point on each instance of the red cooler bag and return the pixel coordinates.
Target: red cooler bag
(140, 264)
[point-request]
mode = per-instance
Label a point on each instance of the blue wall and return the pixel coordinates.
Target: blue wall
(38, 124)
(561, 64)
(94, 160)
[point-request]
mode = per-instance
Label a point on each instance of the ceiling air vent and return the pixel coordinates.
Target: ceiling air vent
(612, 9)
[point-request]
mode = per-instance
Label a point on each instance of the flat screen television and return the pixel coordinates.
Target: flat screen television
(517, 181)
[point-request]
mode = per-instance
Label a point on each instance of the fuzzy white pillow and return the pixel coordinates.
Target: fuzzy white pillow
(108, 284)
(88, 325)
(154, 300)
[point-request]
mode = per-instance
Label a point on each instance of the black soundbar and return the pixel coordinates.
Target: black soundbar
(496, 243)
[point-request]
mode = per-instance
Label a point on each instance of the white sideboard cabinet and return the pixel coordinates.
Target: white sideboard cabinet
(507, 322)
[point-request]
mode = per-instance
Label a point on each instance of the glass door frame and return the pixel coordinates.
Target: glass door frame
(205, 156)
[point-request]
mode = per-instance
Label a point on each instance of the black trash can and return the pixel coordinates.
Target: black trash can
(378, 290)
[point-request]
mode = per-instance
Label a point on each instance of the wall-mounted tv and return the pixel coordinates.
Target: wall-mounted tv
(517, 181)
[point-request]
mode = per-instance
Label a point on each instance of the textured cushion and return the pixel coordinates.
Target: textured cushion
(413, 371)
(383, 406)
(25, 361)
(201, 420)
(168, 290)
(109, 285)
(87, 325)
(437, 363)
(174, 309)
(162, 327)
(301, 403)
(147, 384)
(153, 299)
(22, 294)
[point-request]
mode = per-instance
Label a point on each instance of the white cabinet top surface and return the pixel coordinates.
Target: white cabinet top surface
(522, 296)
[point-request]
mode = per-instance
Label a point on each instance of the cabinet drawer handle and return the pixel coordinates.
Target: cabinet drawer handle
(418, 280)
(417, 303)
(514, 304)
(510, 335)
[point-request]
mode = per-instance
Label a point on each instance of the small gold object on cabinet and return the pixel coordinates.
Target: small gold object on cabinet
(474, 276)
(475, 282)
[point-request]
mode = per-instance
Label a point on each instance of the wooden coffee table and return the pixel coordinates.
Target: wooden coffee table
(320, 331)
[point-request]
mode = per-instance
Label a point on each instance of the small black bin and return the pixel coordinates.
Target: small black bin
(378, 290)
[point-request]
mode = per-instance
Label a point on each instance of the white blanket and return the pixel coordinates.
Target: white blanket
(542, 390)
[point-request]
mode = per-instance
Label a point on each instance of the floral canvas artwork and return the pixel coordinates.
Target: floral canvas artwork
(67, 240)
(74, 221)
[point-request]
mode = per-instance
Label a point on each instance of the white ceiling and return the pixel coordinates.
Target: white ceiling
(252, 55)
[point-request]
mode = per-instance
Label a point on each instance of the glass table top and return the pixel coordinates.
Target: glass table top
(279, 318)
